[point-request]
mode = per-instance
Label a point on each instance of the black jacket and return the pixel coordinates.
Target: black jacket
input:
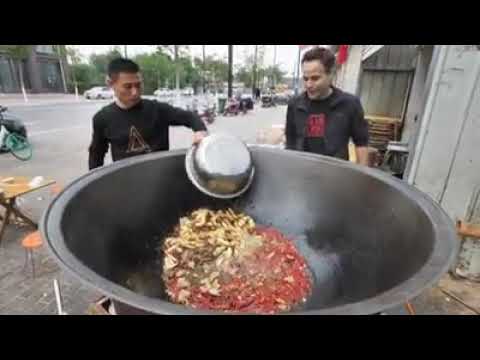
(136, 131)
(345, 120)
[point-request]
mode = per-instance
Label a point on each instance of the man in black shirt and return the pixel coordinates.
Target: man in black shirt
(134, 126)
(323, 119)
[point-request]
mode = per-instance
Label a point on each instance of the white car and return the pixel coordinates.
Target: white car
(163, 93)
(187, 92)
(99, 92)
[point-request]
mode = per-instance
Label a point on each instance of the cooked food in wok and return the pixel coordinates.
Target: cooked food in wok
(221, 260)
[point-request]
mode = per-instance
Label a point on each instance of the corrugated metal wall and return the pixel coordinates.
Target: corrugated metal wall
(369, 50)
(385, 80)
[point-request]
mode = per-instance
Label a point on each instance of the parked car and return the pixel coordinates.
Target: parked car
(163, 92)
(99, 92)
(282, 98)
(187, 92)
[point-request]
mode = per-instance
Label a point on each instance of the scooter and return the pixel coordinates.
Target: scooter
(232, 108)
(207, 114)
(9, 123)
(267, 101)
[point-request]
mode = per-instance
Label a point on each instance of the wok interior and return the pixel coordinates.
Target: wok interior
(360, 236)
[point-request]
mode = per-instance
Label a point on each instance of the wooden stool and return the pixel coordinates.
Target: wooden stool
(30, 243)
(410, 309)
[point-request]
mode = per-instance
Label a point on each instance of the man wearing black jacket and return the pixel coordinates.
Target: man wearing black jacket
(134, 126)
(323, 119)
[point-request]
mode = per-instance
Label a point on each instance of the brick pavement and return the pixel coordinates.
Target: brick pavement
(21, 294)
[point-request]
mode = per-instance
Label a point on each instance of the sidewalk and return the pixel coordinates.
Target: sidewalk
(17, 100)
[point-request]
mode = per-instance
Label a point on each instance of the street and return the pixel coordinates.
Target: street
(60, 135)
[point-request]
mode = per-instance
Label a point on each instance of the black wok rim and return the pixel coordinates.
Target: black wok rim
(440, 260)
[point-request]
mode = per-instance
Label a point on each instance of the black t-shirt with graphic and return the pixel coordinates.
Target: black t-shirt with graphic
(136, 131)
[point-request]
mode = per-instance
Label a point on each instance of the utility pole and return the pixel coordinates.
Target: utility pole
(230, 70)
(254, 82)
(125, 51)
(203, 72)
(62, 69)
(297, 75)
(177, 70)
(274, 75)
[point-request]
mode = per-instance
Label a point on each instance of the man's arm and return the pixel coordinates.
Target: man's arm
(99, 145)
(362, 155)
(360, 134)
(180, 117)
(290, 129)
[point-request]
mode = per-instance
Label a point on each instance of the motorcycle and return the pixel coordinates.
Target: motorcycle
(267, 101)
(13, 136)
(207, 114)
(9, 123)
(205, 109)
(233, 107)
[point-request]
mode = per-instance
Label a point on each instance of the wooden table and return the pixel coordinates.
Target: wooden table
(10, 189)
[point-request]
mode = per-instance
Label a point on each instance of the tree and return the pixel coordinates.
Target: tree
(244, 75)
(215, 71)
(275, 74)
(18, 53)
(73, 57)
(85, 76)
(176, 51)
(156, 69)
(101, 61)
(189, 74)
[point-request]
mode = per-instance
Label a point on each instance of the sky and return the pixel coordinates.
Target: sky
(286, 54)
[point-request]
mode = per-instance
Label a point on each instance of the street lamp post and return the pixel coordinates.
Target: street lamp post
(203, 70)
(297, 75)
(177, 70)
(254, 82)
(230, 70)
(274, 75)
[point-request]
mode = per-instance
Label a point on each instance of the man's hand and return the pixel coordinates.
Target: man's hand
(198, 136)
(362, 155)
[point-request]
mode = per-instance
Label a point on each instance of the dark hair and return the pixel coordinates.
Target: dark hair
(119, 65)
(322, 54)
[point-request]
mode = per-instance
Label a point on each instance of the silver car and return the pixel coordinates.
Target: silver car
(99, 92)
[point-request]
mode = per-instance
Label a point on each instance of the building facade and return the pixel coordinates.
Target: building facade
(44, 71)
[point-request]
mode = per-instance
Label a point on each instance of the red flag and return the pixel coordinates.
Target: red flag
(342, 54)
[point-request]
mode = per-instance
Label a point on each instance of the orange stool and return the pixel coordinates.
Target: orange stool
(30, 243)
(56, 189)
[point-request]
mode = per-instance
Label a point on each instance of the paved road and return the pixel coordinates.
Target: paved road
(60, 135)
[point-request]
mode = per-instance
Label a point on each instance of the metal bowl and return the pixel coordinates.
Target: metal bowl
(220, 166)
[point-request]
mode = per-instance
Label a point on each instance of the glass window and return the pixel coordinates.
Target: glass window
(7, 79)
(47, 49)
(50, 76)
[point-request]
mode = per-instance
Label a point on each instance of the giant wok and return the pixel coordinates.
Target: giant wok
(371, 241)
